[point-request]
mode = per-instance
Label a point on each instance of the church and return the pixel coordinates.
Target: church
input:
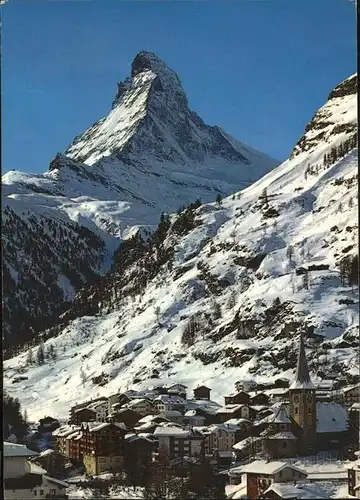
(305, 426)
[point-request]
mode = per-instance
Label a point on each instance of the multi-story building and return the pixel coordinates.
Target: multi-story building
(22, 482)
(176, 441)
(102, 447)
(61, 444)
(219, 438)
(237, 398)
(202, 392)
(142, 406)
(166, 402)
(233, 411)
(85, 404)
(351, 395)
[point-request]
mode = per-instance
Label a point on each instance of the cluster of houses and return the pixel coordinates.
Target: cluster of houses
(163, 423)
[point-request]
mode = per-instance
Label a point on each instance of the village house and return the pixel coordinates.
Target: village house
(142, 406)
(48, 424)
(138, 451)
(167, 402)
(351, 395)
(101, 409)
(202, 392)
(176, 441)
(257, 476)
(233, 411)
(102, 447)
(23, 480)
(73, 446)
(219, 438)
(83, 415)
(60, 435)
(85, 404)
(354, 478)
(194, 418)
(177, 390)
(249, 446)
(237, 398)
(259, 399)
(127, 416)
(53, 462)
(173, 416)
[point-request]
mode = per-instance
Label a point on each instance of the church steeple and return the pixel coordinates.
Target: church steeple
(302, 400)
(302, 378)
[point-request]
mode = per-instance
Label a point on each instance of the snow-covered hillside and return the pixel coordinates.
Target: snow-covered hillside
(151, 153)
(221, 291)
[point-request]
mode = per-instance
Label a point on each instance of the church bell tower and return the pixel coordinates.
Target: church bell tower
(303, 402)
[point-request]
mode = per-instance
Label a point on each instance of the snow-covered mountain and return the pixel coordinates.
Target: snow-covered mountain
(150, 154)
(220, 291)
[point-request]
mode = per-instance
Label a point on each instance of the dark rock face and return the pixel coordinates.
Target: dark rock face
(347, 87)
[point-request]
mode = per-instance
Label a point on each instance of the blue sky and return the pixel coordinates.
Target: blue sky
(259, 69)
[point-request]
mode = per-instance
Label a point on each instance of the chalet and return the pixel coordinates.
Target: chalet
(237, 398)
(85, 404)
(202, 392)
(296, 491)
(259, 399)
(167, 402)
(232, 411)
(138, 450)
(249, 446)
(101, 409)
(142, 406)
(48, 424)
(282, 383)
(173, 416)
(277, 394)
(176, 441)
(354, 478)
(218, 438)
(53, 462)
(60, 435)
(102, 447)
(194, 418)
(127, 416)
(23, 480)
(177, 390)
(84, 415)
(351, 395)
(260, 475)
(354, 414)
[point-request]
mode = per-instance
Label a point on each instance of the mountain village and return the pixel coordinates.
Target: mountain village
(250, 447)
(213, 356)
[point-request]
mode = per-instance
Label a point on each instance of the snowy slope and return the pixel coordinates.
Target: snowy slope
(151, 153)
(237, 257)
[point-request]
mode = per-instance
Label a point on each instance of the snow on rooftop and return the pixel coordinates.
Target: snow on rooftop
(171, 431)
(300, 490)
(331, 417)
(264, 467)
(281, 435)
(17, 450)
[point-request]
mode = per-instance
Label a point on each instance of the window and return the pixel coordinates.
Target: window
(41, 492)
(284, 446)
(35, 493)
(296, 410)
(296, 399)
(53, 492)
(310, 410)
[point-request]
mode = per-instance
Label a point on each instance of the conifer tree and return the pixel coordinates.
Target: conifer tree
(40, 355)
(219, 200)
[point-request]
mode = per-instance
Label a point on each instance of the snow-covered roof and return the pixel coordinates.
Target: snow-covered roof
(236, 491)
(280, 416)
(245, 443)
(281, 435)
(56, 481)
(353, 465)
(171, 413)
(167, 398)
(17, 450)
(65, 430)
(230, 408)
(148, 418)
(299, 490)
(172, 431)
(239, 422)
(355, 407)
(350, 388)
(264, 467)
(331, 417)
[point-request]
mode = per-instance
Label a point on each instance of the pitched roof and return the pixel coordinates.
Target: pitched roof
(302, 377)
(265, 467)
(280, 416)
(331, 417)
(17, 450)
(299, 490)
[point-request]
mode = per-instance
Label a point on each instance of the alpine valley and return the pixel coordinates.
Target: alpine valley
(127, 289)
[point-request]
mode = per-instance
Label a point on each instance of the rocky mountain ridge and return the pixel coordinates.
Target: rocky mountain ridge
(150, 154)
(220, 291)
